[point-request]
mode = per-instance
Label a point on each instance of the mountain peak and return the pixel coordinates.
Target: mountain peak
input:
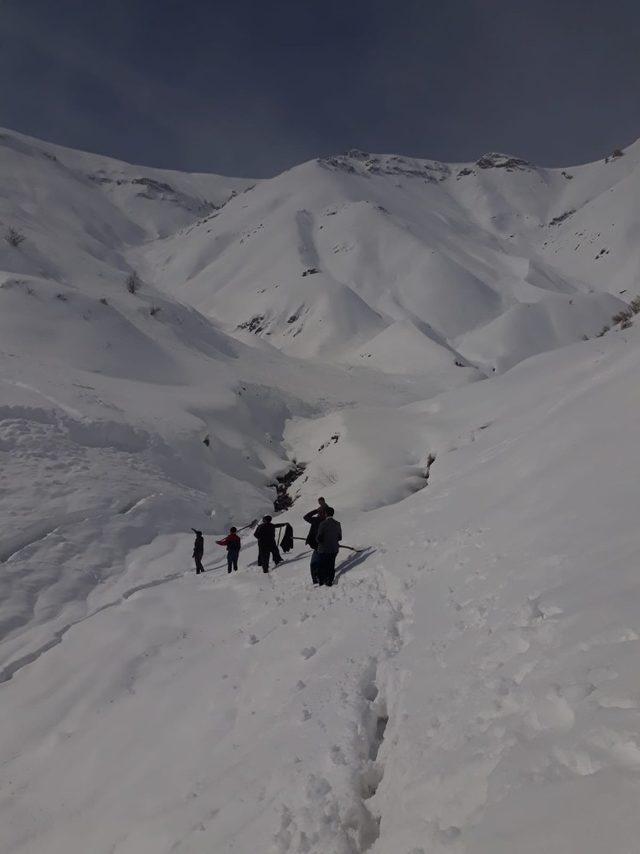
(360, 162)
(496, 160)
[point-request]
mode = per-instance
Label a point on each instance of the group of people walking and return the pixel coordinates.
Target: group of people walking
(233, 543)
(323, 538)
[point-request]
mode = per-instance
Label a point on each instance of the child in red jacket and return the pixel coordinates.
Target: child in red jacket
(232, 542)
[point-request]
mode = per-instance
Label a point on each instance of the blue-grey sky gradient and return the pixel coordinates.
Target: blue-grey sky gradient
(251, 87)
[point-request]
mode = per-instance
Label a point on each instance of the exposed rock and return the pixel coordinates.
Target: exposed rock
(283, 499)
(255, 324)
(502, 161)
(371, 164)
(561, 218)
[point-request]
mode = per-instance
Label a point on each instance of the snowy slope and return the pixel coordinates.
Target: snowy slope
(470, 684)
(107, 396)
(105, 409)
(105, 200)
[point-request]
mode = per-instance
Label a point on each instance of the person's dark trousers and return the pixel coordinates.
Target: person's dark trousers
(264, 553)
(327, 569)
(314, 566)
(199, 566)
(232, 561)
(275, 553)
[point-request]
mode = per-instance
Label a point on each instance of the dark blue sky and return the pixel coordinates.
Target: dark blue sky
(250, 87)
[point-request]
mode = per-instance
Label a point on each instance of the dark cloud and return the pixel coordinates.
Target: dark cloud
(251, 87)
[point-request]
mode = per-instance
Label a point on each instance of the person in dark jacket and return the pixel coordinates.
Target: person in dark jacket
(328, 536)
(233, 543)
(314, 518)
(198, 551)
(265, 534)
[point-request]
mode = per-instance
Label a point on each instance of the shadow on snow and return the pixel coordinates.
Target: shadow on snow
(352, 561)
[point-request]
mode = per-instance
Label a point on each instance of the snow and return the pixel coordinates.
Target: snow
(470, 684)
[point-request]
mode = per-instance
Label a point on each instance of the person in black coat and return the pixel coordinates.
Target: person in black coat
(265, 534)
(198, 551)
(314, 518)
(329, 536)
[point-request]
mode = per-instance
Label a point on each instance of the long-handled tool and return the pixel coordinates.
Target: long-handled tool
(351, 548)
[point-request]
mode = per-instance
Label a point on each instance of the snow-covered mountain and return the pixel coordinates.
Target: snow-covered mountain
(406, 264)
(170, 344)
